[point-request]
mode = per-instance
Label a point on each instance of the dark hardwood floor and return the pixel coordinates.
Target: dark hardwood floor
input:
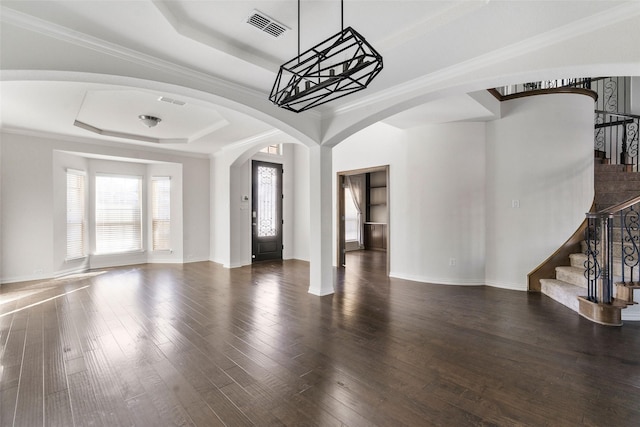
(197, 344)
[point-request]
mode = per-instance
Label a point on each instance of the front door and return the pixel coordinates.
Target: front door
(266, 214)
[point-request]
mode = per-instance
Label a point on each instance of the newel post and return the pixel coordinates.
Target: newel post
(599, 263)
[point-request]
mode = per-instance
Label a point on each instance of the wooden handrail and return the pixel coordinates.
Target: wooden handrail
(619, 207)
(629, 115)
(564, 89)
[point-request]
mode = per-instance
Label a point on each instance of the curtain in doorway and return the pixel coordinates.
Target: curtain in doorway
(355, 184)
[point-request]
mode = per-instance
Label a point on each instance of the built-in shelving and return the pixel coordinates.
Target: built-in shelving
(375, 233)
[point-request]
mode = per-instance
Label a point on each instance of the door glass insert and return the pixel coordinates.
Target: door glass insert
(267, 192)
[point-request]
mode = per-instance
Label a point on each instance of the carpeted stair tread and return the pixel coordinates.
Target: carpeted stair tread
(563, 292)
(572, 275)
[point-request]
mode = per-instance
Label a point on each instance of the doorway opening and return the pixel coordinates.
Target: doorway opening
(363, 212)
(266, 211)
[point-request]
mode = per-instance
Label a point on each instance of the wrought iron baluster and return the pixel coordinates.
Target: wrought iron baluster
(630, 251)
(592, 266)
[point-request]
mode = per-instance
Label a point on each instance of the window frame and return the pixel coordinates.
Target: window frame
(138, 223)
(154, 220)
(80, 212)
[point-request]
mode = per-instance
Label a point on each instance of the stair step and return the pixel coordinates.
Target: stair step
(617, 302)
(572, 275)
(624, 292)
(565, 293)
(599, 168)
(617, 251)
(579, 260)
(630, 285)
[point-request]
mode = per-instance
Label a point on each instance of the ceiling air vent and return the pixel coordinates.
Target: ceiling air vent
(171, 101)
(266, 24)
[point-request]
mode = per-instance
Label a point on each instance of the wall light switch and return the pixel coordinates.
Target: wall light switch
(515, 203)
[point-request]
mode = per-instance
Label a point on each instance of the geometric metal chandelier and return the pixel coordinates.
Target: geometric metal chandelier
(342, 64)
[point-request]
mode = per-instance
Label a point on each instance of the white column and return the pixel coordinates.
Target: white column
(322, 278)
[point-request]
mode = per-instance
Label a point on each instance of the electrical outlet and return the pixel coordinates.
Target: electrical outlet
(452, 262)
(515, 203)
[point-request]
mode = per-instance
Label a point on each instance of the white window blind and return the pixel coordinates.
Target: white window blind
(118, 214)
(161, 212)
(76, 217)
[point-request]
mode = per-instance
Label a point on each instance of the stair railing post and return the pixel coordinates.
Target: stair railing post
(599, 251)
(592, 270)
(606, 282)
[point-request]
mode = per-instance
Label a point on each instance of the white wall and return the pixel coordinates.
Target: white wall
(241, 185)
(635, 95)
(302, 204)
(231, 215)
(1, 208)
(27, 206)
(436, 191)
(34, 201)
(540, 158)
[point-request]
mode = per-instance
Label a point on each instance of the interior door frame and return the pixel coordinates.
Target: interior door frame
(279, 208)
(340, 180)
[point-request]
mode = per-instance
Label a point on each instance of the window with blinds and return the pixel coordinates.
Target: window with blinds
(76, 216)
(161, 213)
(118, 214)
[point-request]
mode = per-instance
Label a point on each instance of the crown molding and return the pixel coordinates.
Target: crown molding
(187, 28)
(100, 142)
(58, 32)
(566, 32)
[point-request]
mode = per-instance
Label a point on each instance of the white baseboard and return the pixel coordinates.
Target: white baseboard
(190, 260)
(165, 261)
(76, 270)
(509, 286)
(435, 280)
(25, 278)
(631, 317)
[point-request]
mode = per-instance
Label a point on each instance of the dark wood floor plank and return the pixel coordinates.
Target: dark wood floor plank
(84, 401)
(200, 345)
(8, 398)
(30, 401)
(57, 409)
(55, 376)
(192, 402)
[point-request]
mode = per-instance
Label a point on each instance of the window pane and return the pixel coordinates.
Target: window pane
(351, 223)
(75, 215)
(161, 213)
(118, 214)
(267, 192)
(272, 149)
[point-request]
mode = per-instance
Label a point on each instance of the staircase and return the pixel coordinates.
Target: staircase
(608, 263)
(570, 288)
(613, 185)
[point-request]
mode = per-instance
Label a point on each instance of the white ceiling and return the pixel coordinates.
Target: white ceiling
(208, 45)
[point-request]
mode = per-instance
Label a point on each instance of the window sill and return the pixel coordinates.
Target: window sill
(133, 252)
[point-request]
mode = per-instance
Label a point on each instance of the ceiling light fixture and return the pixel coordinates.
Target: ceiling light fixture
(149, 121)
(342, 64)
